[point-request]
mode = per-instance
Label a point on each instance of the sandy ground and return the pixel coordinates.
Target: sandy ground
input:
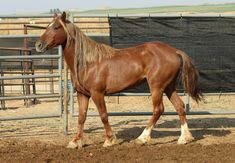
(215, 103)
(43, 140)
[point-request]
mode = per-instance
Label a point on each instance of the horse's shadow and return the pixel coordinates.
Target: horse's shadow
(117, 125)
(129, 134)
(217, 127)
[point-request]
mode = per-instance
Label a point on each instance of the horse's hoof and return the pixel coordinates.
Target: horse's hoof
(139, 142)
(110, 142)
(73, 145)
(142, 140)
(185, 139)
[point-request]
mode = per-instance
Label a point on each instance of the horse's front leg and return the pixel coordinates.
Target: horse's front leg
(82, 106)
(98, 99)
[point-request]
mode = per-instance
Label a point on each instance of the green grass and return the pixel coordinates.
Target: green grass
(218, 8)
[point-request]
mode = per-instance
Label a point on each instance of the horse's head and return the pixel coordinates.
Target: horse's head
(54, 35)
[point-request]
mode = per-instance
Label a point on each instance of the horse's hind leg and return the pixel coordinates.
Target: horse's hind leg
(186, 136)
(158, 109)
(98, 99)
(82, 106)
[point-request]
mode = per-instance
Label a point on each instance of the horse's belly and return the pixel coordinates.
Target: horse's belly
(117, 87)
(124, 77)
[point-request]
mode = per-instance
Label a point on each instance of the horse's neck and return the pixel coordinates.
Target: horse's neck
(95, 45)
(69, 54)
(81, 50)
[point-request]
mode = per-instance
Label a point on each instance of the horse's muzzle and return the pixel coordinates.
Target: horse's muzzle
(41, 46)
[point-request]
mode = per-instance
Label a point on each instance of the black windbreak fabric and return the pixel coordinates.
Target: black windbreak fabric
(209, 41)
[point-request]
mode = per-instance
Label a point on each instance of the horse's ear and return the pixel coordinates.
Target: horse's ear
(55, 15)
(63, 17)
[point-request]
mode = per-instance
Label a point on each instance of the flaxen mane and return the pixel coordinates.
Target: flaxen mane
(86, 49)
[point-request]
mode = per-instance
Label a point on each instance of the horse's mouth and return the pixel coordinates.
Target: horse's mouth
(40, 46)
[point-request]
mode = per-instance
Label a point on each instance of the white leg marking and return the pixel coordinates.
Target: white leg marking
(111, 141)
(72, 144)
(186, 135)
(145, 136)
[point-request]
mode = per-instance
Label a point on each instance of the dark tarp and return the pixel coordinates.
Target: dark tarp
(209, 41)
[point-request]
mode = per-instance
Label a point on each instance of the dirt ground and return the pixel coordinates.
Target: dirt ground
(42, 140)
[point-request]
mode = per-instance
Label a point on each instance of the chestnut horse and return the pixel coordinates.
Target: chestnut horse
(98, 69)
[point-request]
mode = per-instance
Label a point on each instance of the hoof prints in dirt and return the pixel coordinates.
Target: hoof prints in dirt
(35, 151)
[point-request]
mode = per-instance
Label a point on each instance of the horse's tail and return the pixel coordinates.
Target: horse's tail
(189, 77)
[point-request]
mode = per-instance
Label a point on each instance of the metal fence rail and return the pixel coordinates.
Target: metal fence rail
(58, 95)
(187, 105)
(31, 57)
(33, 22)
(30, 77)
(30, 96)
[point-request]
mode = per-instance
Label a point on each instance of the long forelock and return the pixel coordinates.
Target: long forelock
(68, 33)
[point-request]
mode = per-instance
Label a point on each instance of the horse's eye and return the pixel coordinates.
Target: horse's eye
(56, 27)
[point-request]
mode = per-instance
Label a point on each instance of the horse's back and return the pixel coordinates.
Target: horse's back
(130, 66)
(154, 61)
(151, 52)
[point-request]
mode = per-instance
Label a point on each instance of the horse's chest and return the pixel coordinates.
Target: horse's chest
(79, 84)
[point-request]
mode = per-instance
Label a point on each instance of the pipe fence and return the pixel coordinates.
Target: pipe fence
(188, 108)
(71, 94)
(58, 75)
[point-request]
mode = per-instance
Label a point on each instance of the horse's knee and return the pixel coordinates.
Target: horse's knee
(82, 118)
(158, 110)
(104, 118)
(161, 108)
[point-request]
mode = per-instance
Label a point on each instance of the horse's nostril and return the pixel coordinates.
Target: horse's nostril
(40, 46)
